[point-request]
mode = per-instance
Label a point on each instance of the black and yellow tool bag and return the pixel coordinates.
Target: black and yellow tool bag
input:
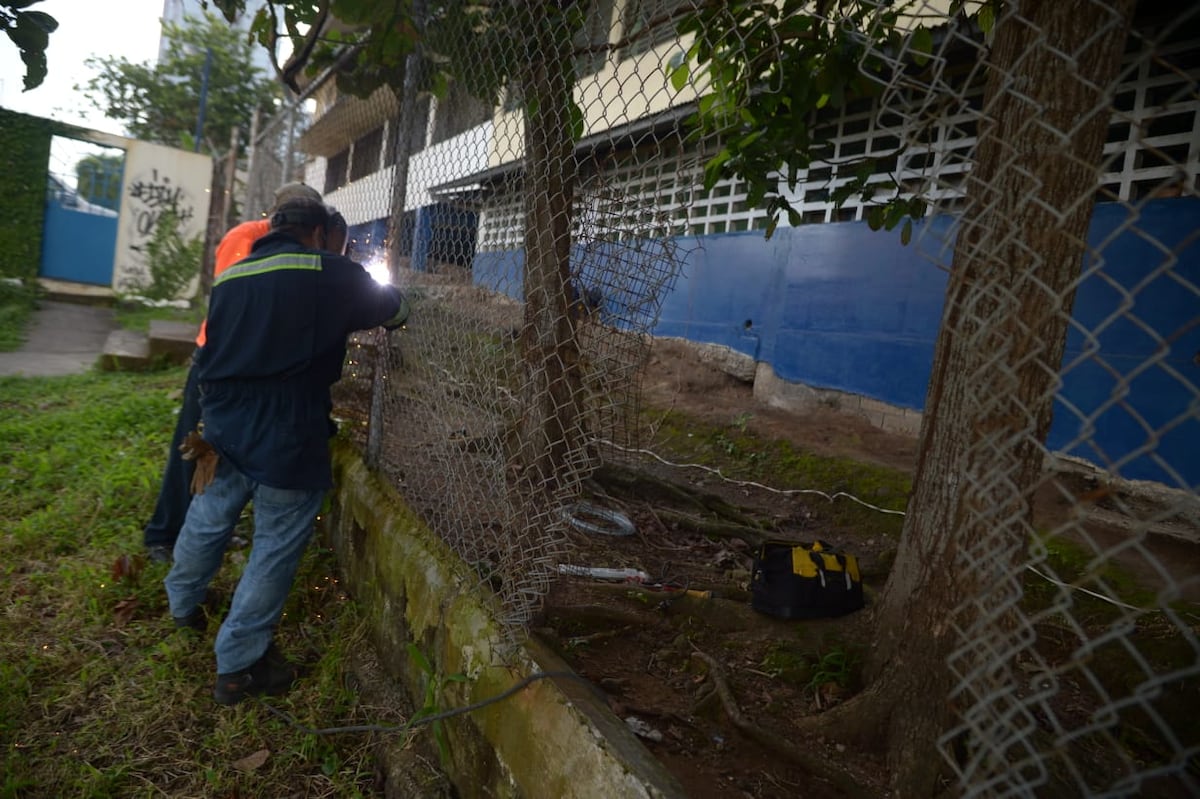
(804, 581)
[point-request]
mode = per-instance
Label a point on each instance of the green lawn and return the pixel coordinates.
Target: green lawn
(99, 695)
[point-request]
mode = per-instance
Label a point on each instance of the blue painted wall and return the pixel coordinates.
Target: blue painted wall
(839, 306)
(500, 270)
(443, 234)
(1141, 328)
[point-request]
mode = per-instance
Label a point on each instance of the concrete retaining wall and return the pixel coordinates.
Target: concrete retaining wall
(552, 739)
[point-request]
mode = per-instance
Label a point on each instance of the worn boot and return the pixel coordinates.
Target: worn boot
(270, 675)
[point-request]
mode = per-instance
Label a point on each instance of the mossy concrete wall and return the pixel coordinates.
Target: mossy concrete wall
(553, 739)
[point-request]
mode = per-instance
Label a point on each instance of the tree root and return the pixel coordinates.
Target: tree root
(578, 640)
(717, 528)
(602, 614)
(646, 506)
(814, 765)
(642, 594)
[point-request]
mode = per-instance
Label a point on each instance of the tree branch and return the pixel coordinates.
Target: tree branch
(298, 60)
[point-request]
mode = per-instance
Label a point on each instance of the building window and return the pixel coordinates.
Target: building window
(514, 98)
(649, 23)
(457, 112)
(335, 171)
(591, 41)
(366, 154)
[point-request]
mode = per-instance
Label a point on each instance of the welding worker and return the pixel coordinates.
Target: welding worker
(276, 342)
(174, 494)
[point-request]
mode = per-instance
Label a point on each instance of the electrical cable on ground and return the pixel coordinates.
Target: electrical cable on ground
(1089, 592)
(751, 483)
(422, 720)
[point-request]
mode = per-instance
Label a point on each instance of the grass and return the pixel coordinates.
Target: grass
(741, 454)
(138, 317)
(99, 696)
(16, 306)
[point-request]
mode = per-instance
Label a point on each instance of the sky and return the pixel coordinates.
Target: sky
(86, 28)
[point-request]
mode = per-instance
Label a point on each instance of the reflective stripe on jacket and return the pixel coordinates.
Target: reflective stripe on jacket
(277, 327)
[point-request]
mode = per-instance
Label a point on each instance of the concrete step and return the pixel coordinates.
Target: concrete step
(125, 350)
(167, 343)
(172, 342)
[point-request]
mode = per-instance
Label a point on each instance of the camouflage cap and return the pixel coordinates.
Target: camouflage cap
(299, 212)
(296, 191)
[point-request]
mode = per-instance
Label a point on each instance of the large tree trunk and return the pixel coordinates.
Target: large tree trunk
(550, 432)
(1018, 253)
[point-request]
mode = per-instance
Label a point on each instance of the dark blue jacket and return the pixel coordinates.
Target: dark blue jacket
(277, 327)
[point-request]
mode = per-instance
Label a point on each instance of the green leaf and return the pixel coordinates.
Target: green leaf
(28, 35)
(986, 18)
(443, 745)
(875, 217)
(231, 8)
(44, 21)
(921, 45)
(713, 168)
(893, 212)
(419, 658)
(843, 193)
(31, 36)
(745, 142)
(679, 76)
(578, 121)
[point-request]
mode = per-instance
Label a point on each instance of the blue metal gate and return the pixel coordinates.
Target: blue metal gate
(79, 238)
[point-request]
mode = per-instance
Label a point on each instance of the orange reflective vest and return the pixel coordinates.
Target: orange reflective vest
(235, 246)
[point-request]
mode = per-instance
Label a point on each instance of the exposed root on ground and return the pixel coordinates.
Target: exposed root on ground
(813, 764)
(600, 614)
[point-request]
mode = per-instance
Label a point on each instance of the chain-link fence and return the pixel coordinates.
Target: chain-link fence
(1076, 660)
(273, 158)
(538, 218)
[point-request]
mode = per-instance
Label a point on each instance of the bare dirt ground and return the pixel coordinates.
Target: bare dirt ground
(714, 686)
(675, 379)
(709, 683)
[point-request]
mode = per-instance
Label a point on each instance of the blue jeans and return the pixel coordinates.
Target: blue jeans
(283, 525)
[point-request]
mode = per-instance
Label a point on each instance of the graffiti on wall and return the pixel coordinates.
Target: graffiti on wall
(150, 195)
(159, 181)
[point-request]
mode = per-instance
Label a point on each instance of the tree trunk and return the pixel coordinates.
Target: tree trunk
(213, 231)
(1018, 254)
(550, 432)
